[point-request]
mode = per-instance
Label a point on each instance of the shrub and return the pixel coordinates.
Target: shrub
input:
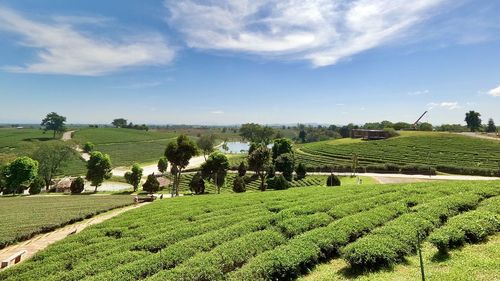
(239, 184)
(77, 185)
(418, 169)
(278, 182)
(333, 180)
(88, 147)
(242, 169)
(151, 185)
(301, 171)
(36, 186)
(197, 184)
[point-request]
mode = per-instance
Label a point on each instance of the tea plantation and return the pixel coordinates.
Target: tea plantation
(274, 235)
(446, 152)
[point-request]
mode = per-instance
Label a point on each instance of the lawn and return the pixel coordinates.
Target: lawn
(276, 235)
(446, 152)
(23, 217)
(23, 142)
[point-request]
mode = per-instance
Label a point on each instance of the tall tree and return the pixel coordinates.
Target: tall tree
(242, 169)
(206, 144)
(491, 128)
(151, 185)
(134, 176)
(119, 123)
(259, 161)
(473, 120)
(179, 153)
(163, 164)
(98, 168)
(19, 174)
(215, 168)
(54, 122)
(51, 158)
(197, 184)
(282, 146)
(301, 171)
(302, 135)
(256, 133)
(285, 163)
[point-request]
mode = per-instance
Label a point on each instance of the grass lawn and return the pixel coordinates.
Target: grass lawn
(23, 217)
(277, 235)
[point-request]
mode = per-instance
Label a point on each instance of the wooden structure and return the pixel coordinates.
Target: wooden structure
(369, 134)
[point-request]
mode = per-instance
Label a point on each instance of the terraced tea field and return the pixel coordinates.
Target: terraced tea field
(23, 217)
(267, 235)
(444, 151)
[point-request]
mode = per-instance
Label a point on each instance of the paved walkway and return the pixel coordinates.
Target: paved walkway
(41, 241)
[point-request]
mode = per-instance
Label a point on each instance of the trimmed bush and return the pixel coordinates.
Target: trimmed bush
(88, 147)
(77, 185)
(239, 184)
(36, 186)
(333, 180)
(278, 183)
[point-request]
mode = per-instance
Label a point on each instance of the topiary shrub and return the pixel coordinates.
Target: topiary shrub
(151, 185)
(239, 185)
(278, 183)
(197, 184)
(333, 180)
(242, 169)
(300, 171)
(36, 186)
(88, 147)
(77, 185)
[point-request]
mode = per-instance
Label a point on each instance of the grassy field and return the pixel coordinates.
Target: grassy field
(23, 217)
(436, 149)
(275, 235)
(23, 142)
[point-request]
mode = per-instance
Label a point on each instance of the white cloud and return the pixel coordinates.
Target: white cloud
(61, 49)
(321, 31)
(495, 92)
(217, 112)
(445, 105)
(418, 93)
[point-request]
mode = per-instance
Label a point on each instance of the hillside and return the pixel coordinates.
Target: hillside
(272, 235)
(445, 151)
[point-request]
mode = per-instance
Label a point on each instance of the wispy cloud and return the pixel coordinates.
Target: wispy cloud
(495, 92)
(62, 49)
(321, 31)
(418, 93)
(140, 85)
(217, 112)
(445, 105)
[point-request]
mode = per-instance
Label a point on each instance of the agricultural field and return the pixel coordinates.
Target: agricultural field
(253, 185)
(300, 232)
(23, 142)
(23, 217)
(450, 153)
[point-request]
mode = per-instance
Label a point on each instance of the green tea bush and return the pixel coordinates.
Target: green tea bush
(333, 180)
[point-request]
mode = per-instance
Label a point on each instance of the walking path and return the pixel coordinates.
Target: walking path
(41, 241)
(422, 177)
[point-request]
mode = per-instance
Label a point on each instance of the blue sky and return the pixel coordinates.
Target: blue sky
(228, 62)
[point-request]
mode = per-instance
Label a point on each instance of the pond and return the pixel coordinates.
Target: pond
(235, 147)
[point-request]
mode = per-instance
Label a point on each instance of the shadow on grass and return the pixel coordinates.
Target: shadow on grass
(352, 272)
(38, 139)
(440, 256)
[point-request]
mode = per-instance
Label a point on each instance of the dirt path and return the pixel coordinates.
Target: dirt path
(195, 162)
(41, 241)
(489, 136)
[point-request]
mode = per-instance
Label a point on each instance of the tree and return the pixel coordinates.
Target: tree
(119, 123)
(36, 186)
(301, 171)
(151, 185)
(77, 185)
(2, 178)
(302, 135)
(333, 180)
(425, 126)
(491, 128)
(242, 169)
(354, 163)
(54, 122)
(259, 162)
(178, 154)
(473, 121)
(51, 158)
(134, 177)
(19, 174)
(256, 133)
(197, 184)
(98, 168)
(285, 163)
(239, 184)
(282, 146)
(206, 144)
(163, 164)
(88, 147)
(215, 168)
